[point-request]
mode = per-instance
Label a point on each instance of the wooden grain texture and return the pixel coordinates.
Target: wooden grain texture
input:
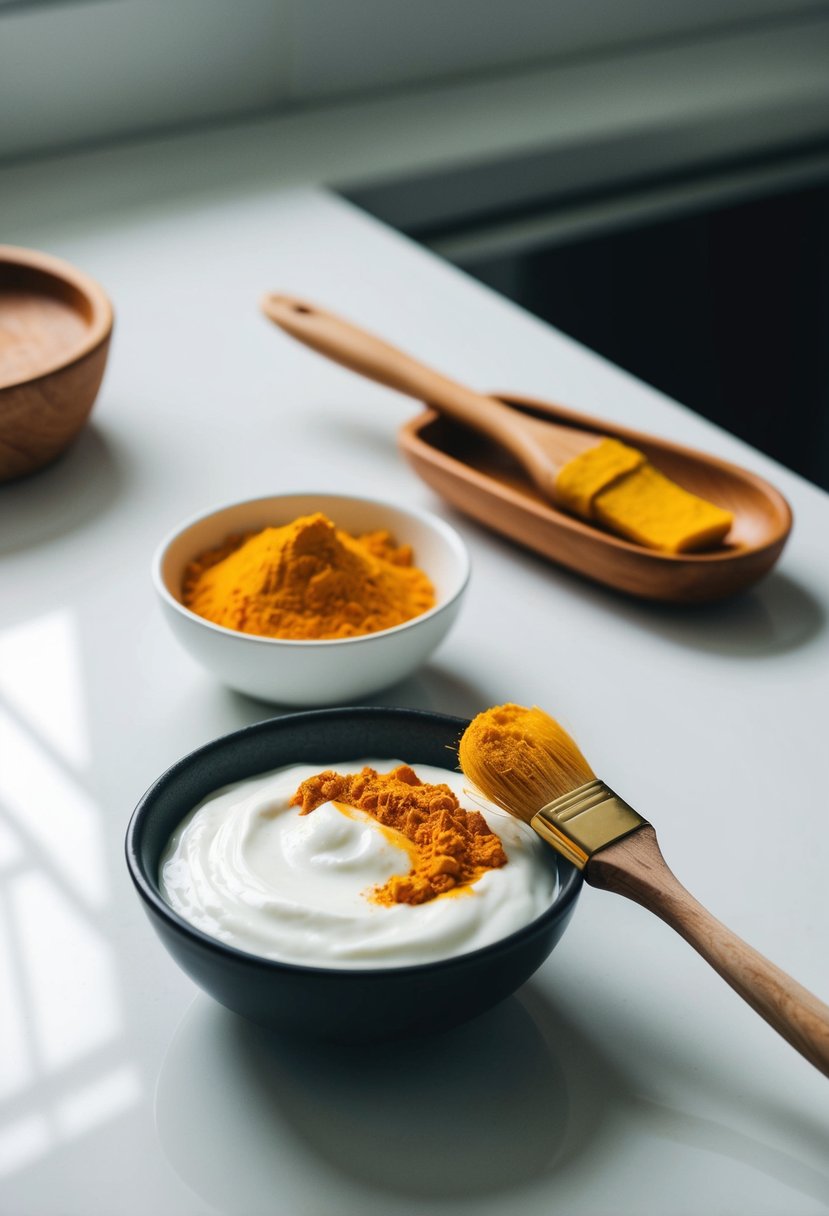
(540, 447)
(478, 480)
(496, 459)
(634, 867)
(55, 328)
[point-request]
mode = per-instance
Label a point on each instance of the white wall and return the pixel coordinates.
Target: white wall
(81, 72)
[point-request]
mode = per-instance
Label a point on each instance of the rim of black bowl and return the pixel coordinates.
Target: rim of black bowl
(570, 878)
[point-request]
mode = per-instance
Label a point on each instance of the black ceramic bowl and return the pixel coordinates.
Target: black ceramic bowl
(347, 1005)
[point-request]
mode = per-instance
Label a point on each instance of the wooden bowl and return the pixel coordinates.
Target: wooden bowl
(55, 327)
(483, 481)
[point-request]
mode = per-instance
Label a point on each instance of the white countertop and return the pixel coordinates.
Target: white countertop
(625, 1077)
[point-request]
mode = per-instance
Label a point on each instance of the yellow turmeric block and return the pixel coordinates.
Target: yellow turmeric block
(616, 486)
(581, 479)
(646, 507)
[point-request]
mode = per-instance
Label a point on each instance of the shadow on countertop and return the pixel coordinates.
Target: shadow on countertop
(242, 1115)
(520, 1097)
(432, 688)
(70, 493)
(775, 617)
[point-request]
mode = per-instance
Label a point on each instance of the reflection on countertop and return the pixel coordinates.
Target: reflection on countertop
(482, 1109)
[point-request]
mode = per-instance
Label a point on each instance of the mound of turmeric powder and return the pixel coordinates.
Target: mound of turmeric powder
(307, 580)
(449, 847)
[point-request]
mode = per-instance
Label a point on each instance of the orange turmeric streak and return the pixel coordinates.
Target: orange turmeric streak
(308, 580)
(453, 847)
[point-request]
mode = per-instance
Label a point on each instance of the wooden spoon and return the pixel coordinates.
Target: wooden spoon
(541, 436)
(541, 447)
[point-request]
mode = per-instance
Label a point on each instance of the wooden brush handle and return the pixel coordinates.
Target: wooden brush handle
(369, 356)
(634, 867)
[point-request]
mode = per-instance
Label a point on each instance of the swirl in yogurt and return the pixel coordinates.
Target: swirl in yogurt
(246, 868)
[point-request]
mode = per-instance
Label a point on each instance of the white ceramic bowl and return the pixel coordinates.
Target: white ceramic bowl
(325, 672)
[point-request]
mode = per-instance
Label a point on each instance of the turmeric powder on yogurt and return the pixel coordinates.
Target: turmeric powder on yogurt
(307, 580)
(448, 846)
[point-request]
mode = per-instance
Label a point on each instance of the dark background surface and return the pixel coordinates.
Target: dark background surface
(726, 310)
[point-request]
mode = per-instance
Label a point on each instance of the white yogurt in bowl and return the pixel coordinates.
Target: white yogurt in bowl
(247, 868)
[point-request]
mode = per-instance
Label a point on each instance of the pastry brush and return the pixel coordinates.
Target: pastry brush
(526, 763)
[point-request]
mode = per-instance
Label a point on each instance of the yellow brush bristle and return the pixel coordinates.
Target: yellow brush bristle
(521, 759)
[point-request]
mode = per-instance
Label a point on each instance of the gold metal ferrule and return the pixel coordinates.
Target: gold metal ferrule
(587, 819)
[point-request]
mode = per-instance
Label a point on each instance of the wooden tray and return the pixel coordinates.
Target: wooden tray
(486, 484)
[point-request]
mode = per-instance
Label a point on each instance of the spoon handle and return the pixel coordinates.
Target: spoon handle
(634, 867)
(371, 357)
